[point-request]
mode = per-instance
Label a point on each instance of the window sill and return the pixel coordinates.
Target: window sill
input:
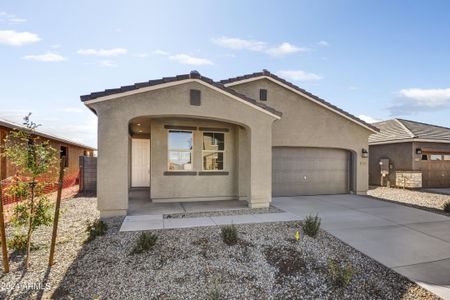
(213, 173)
(180, 173)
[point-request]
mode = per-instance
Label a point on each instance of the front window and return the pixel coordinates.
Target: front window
(213, 151)
(435, 157)
(180, 150)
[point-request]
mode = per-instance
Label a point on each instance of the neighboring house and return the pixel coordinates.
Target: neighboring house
(412, 154)
(189, 138)
(65, 147)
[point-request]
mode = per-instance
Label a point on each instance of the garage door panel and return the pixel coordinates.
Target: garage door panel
(309, 171)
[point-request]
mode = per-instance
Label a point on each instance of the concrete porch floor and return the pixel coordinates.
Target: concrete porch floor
(139, 204)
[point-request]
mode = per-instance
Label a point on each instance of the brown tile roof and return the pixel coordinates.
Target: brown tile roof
(12, 125)
(293, 86)
(192, 75)
(399, 129)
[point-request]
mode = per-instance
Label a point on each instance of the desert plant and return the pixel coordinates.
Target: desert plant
(214, 292)
(95, 229)
(311, 225)
(447, 206)
(33, 158)
(340, 273)
(229, 234)
(145, 242)
(18, 243)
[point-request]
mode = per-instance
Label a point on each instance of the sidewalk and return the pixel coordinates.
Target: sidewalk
(149, 222)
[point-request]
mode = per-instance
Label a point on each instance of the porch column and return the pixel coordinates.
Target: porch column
(112, 165)
(260, 166)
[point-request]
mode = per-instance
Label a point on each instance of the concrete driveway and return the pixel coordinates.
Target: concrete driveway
(413, 242)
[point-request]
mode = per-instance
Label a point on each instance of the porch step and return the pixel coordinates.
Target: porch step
(151, 222)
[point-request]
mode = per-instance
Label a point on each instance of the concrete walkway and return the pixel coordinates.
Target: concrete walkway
(413, 242)
(149, 222)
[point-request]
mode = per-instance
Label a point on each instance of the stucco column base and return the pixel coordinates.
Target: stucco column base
(361, 192)
(113, 213)
(259, 205)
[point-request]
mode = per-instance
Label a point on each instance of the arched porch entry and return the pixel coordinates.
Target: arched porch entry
(181, 159)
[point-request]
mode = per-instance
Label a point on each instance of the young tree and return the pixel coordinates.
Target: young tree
(34, 158)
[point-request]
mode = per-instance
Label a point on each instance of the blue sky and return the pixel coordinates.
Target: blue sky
(375, 59)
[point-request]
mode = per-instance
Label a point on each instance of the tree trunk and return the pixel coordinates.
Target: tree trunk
(3, 235)
(30, 225)
(57, 206)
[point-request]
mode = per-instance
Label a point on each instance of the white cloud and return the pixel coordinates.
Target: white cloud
(56, 46)
(14, 38)
(190, 60)
(107, 63)
(103, 52)
(160, 52)
(323, 43)
(141, 55)
(48, 57)
(299, 75)
(427, 97)
(285, 48)
(415, 100)
(10, 18)
(368, 119)
(239, 44)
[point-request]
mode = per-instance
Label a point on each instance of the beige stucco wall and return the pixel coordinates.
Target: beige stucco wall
(166, 188)
(113, 139)
(307, 124)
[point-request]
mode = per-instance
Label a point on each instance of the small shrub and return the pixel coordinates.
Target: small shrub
(311, 226)
(340, 274)
(230, 234)
(18, 243)
(145, 242)
(95, 229)
(447, 206)
(214, 292)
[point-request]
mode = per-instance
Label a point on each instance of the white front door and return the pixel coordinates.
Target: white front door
(140, 163)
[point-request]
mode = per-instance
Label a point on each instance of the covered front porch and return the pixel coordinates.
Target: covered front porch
(140, 204)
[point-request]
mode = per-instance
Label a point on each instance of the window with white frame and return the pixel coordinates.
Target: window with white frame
(213, 151)
(180, 150)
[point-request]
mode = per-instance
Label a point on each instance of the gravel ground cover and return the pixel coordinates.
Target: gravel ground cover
(233, 212)
(266, 263)
(426, 200)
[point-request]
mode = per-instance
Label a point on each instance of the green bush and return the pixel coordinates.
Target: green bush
(311, 226)
(145, 242)
(229, 234)
(447, 206)
(340, 274)
(214, 292)
(95, 229)
(18, 243)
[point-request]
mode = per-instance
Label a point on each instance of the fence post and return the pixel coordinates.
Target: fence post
(57, 206)
(3, 233)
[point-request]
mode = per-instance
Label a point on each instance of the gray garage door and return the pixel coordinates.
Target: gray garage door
(310, 171)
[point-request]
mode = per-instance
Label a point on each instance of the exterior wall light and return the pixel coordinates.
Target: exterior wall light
(364, 153)
(418, 151)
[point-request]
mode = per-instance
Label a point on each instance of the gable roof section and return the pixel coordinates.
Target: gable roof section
(175, 80)
(11, 125)
(400, 130)
(266, 74)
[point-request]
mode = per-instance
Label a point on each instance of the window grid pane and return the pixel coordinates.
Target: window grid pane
(179, 150)
(213, 151)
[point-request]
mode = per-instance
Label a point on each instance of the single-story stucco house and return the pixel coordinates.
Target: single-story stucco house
(410, 154)
(189, 138)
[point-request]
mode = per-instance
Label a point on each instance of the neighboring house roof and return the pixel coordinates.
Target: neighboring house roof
(12, 125)
(293, 87)
(400, 130)
(179, 79)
